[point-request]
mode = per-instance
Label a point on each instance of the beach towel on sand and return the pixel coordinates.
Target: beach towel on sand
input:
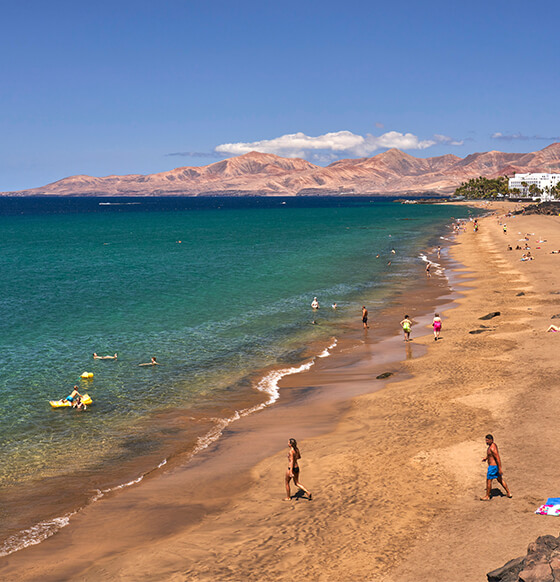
(547, 509)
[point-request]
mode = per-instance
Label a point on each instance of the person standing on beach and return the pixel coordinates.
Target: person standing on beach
(428, 269)
(436, 323)
(293, 470)
(494, 469)
(406, 324)
(365, 317)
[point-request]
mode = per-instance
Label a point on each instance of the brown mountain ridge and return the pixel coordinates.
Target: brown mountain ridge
(392, 172)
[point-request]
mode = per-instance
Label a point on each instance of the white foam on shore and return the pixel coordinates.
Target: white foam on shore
(123, 485)
(438, 269)
(34, 535)
(45, 529)
(327, 351)
(269, 384)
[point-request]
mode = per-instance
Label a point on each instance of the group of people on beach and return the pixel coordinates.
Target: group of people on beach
(492, 457)
(406, 325)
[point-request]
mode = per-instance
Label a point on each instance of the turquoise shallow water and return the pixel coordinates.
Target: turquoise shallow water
(215, 291)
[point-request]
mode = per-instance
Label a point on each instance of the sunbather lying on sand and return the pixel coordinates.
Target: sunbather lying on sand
(553, 328)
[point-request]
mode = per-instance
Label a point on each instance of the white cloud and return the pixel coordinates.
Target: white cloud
(448, 140)
(323, 157)
(333, 145)
(520, 136)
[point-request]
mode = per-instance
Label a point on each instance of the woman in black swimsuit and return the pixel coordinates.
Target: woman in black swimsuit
(293, 469)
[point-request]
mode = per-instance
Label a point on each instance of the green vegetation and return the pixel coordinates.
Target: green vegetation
(483, 187)
(495, 187)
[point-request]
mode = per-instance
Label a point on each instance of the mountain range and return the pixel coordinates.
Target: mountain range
(392, 172)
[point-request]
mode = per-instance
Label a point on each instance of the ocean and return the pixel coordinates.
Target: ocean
(217, 289)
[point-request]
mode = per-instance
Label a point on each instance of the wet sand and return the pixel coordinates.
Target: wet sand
(396, 473)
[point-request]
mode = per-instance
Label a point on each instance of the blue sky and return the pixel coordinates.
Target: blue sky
(127, 87)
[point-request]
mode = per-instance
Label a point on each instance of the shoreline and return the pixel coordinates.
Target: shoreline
(105, 472)
(295, 390)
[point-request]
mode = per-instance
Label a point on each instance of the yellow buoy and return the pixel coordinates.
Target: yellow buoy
(87, 376)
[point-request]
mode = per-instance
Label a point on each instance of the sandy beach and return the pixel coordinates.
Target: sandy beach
(394, 466)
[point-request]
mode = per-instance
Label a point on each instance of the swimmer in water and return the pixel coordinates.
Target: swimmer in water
(79, 403)
(96, 357)
(151, 363)
(315, 303)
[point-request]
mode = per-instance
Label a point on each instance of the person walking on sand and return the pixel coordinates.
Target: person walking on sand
(494, 469)
(365, 317)
(406, 324)
(293, 470)
(436, 323)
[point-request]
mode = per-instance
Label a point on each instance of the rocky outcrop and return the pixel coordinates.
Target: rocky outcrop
(541, 564)
(550, 208)
(390, 173)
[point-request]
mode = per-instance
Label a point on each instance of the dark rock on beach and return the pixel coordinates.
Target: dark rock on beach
(478, 331)
(541, 564)
(550, 208)
(520, 294)
(384, 375)
(490, 315)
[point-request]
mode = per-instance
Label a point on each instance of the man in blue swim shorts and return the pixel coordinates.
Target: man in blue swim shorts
(494, 469)
(73, 395)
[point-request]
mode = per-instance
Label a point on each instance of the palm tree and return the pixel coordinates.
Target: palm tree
(535, 190)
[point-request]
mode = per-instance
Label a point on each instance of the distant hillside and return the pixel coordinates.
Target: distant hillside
(388, 173)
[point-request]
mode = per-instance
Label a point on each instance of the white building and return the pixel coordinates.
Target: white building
(544, 182)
